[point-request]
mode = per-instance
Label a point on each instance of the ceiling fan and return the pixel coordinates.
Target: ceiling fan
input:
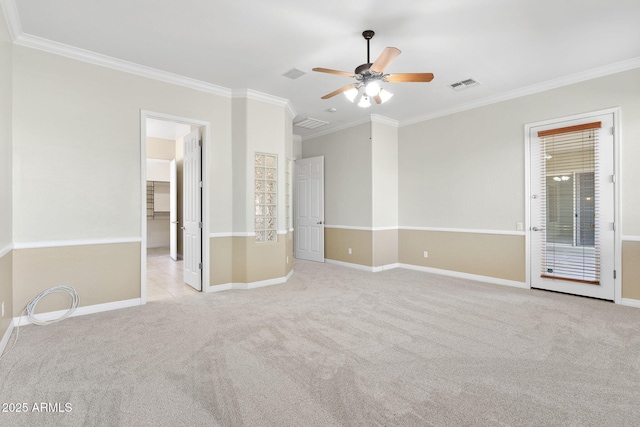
(370, 74)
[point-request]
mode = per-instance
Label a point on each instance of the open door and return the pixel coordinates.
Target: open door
(309, 228)
(173, 210)
(192, 210)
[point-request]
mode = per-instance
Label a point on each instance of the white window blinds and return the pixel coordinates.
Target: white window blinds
(570, 203)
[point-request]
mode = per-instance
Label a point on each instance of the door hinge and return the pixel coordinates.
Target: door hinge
(200, 265)
(200, 184)
(199, 143)
(614, 274)
(613, 178)
(200, 224)
(613, 226)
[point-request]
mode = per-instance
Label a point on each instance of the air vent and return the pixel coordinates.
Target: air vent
(464, 84)
(310, 123)
(294, 73)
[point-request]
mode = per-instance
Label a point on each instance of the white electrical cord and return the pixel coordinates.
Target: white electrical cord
(31, 307)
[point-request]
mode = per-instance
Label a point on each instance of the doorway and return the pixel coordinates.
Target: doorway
(572, 243)
(174, 256)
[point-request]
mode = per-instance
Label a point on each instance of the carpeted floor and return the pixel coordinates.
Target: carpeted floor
(336, 346)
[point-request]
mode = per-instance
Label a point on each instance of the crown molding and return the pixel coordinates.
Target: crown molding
(118, 64)
(337, 128)
(264, 97)
(377, 118)
(10, 10)
(603, 71)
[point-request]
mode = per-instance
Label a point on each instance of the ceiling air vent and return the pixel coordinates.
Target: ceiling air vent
(310, 123)
(464, 84)
(294, 73)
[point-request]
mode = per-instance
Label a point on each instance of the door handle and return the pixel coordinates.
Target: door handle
(319, 222)
(537, 229)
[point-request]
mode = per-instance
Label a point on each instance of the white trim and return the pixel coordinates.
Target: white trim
(79, 242)
(239, 233)
(337, 128)
(353, 227)
(223, 234)
(385, 267)
(465, 230)
(264, 97)
(377, 118)
(206, 147)
(80, 311)
(12, 17)
(283, 231)
(250, 285)
(469, 276)
(606, 70)
(631, 238)
(630, 302)
(4, 251)
(442, 229)
(6, 336)
(118, 64)
(350, 265)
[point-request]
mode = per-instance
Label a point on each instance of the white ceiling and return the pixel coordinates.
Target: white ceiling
(511, 46)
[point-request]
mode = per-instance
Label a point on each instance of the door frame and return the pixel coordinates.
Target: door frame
(617, 283)
(206, 132)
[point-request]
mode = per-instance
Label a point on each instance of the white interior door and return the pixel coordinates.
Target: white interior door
(309, 228)
(173, 210)
(572, 209)
(192, 210)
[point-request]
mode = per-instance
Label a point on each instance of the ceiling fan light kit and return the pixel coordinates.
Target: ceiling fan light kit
(369, 76)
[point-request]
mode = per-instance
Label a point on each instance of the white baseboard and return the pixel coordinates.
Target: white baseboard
(487, 279)
(80, 311)
(5, 338)
(385, 267)
(630, 302)
(349, 265)
(250, 285)
(477, 277)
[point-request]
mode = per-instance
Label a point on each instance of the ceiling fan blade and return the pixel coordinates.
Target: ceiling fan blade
(330, 71)
(409, 77)
(377, 99)
(339, 91)
(386, 57)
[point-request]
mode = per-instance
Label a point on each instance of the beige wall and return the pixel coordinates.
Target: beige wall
(6, 291)
(491, 255)
(221, 260)
(467, 171)
(160, 148)
(631, 269)
(99, 273)
(337, 242)
(6, 180)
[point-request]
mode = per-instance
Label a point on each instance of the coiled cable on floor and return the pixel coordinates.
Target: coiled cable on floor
(31, 307)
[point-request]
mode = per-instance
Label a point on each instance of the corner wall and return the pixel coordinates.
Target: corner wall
(462, 179)
(77, 180)
(6, 180)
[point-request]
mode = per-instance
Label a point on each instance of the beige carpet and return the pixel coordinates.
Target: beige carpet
(336, 346)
